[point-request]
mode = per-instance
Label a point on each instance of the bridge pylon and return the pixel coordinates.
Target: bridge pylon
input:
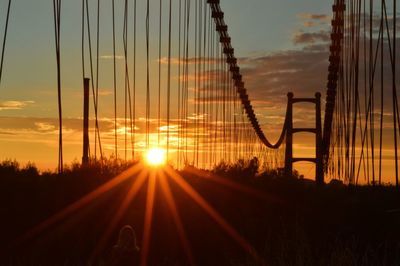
(318, 160)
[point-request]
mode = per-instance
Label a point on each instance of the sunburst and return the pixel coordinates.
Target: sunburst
(141, 173)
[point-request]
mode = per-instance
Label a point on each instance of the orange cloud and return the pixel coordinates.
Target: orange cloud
(14, 105)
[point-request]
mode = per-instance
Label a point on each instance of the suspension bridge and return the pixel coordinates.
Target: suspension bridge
(181, 89)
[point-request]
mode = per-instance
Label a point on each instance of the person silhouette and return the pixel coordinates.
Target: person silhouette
(126, 250)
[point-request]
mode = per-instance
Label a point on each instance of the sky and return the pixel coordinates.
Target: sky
(282, 46)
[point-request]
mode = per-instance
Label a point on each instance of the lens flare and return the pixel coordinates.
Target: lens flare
(156, 157)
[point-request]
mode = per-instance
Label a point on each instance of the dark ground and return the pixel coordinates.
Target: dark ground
(291, 223)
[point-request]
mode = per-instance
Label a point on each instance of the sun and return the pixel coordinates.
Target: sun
(156, 157)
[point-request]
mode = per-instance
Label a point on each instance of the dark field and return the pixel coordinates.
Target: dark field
(287, 221)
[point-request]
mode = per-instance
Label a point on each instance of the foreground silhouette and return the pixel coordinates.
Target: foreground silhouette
(288, 221)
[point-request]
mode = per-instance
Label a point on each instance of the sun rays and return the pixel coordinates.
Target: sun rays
(196, 197)
(148, 218)
(130, 196)
(84, 201)
(175, 215)
(158, 180)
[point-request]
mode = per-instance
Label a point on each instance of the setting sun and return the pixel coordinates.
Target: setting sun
(156, 157)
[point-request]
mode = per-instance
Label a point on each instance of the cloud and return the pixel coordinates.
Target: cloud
(203, 75)
(299, 70)
(301, 37)
(309, 24)
(7, 133)
(318, 17)
(312, 20)
(107, 57)
(376, 23)
(316, 47)
(105, 92)
(204, 99)
(42, 126)
(14, 105)
(191, 60)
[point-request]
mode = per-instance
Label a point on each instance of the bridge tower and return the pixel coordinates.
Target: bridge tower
(289, 160)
